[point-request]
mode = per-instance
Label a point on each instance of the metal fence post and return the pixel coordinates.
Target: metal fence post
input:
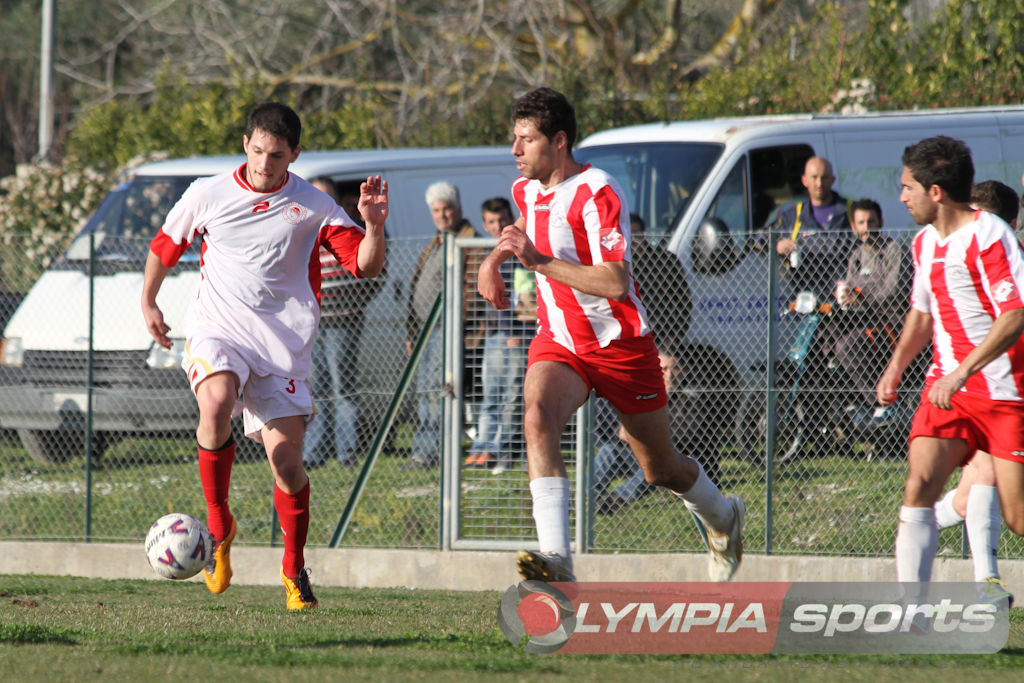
(88, 388)
(585, 476)
(452, 399)
(770, 396)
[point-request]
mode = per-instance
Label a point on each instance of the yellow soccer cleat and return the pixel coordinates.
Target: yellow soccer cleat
(218, 572)
(299, 592)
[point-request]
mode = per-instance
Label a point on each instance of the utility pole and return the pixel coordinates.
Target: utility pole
(46, 96)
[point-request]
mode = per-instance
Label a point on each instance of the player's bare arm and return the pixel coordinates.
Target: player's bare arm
(917, 333)
(609, 280)
(489, 283)
(156, 271)
(1005, 332)
(374, 208)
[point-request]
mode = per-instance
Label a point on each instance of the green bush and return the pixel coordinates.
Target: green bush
(41, 208)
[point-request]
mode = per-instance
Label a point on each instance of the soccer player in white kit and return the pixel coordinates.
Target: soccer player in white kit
(573, 233)
(966, 300)
(250, 327)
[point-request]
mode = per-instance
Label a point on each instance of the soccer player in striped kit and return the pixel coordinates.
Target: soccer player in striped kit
(573, 233)
(966, 300)
(250, 326)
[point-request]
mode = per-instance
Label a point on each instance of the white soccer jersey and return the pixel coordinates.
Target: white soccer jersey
(965, 282)
(260, 269)
(583, 220)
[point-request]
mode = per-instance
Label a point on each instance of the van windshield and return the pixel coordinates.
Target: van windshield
(659, 179)
(128, 218)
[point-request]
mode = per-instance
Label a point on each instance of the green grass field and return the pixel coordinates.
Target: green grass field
(56, 628)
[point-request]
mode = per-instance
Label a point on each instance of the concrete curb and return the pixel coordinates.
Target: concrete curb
(462, 570)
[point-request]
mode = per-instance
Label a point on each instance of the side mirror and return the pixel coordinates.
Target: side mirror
(714, 251)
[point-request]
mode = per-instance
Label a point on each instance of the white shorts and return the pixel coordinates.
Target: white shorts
(263, 397)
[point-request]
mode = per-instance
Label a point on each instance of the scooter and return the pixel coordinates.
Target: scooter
(817, 409)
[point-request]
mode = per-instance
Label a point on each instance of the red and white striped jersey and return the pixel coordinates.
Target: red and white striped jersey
(965, 282)
(583, 220)
(260, 267)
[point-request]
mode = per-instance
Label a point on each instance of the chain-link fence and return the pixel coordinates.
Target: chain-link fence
(447, 462)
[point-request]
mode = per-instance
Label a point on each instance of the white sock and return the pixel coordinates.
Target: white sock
(917, 541)
(945, 514)
(984, 523)
(551, 514)
(705, 500)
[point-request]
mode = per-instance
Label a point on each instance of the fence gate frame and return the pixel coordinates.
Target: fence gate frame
(454, 424)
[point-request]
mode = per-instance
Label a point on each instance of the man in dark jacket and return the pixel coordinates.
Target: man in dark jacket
(813, 234)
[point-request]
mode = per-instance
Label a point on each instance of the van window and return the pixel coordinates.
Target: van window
(775, 176)
(659, 179)
(128, 219)
(731, 205)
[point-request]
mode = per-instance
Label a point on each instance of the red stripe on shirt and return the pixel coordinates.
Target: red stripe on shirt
(976, 383)
(576, 222)
(169, 251)
(947, 310)
(576, 322)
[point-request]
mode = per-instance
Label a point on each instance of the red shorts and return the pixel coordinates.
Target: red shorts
(626, 372)
(996, 427)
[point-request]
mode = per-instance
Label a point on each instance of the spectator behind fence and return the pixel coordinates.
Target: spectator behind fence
(663, 288)
(998, 198)
(692, 422)
(873, 298)
(974, 502)
(666, 295)
(343, 302)
(966, 300)
(427, 282)
(813, 234)
(504, 362)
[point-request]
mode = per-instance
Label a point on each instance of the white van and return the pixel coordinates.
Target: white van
(680, 177)
(138, 388)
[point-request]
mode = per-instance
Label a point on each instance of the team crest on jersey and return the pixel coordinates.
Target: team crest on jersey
(1003, 290)
(611, 239)
(295, 213)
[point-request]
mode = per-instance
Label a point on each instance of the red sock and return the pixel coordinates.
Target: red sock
(293, 512)
(215, 473)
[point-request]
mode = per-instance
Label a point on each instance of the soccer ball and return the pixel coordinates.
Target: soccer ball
(178, 546)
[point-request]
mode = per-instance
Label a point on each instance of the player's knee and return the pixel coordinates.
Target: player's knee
(680, 476)
(1014, 517)
(539, 422)
(286, 466)
(919, 492)
(214, 407)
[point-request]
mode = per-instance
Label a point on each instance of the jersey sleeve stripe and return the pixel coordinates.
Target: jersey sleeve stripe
(166, 249)
(995, 260)
(343, 241)
(609, 212)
